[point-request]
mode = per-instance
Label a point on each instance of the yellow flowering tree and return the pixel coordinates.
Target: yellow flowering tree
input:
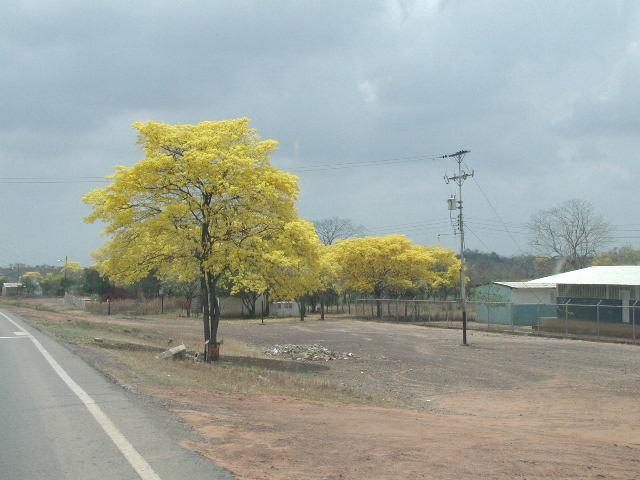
(390, 265)
(31, 281)
(287, 267)
(203, 199)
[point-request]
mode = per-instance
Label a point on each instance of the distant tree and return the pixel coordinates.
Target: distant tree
(571, 231)
(3, 279)
(71, 275)
(290, 270)
(332, 229)
(31, 281)
(392, 265)
(483, 268)
(93, 283)
(52, 284)
(619, 256)
(185, 289)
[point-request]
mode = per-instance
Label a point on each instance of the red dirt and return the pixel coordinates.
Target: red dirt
(505, 407)
(277, 438)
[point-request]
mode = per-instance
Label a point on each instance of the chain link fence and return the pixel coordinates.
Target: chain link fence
(602, 320)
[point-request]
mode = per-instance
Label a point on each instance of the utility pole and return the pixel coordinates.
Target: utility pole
(459, 180)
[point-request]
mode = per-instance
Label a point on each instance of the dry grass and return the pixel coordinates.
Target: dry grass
(234, 374)
(242, 369)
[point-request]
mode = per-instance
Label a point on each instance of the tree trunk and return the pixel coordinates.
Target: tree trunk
(249, 301)
(321, 307)
(210, 315)
(301, 308)
(266, 303)
(214, 307)
(378, 294)
(204, 300)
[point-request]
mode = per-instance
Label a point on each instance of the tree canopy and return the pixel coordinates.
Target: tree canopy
(200, 205)
(332, 229)
(392, 265)
(572, 231)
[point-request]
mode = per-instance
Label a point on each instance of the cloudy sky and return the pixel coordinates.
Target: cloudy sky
(545, 95)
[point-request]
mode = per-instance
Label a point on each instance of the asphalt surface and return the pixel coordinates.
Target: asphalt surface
(48, 430)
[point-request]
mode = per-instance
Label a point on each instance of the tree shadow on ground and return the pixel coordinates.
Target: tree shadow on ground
(272, 364)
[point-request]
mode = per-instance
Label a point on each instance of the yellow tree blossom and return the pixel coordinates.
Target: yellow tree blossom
(203, 199)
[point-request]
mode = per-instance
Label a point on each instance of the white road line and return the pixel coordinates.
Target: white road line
(23, 336)
(139, 464)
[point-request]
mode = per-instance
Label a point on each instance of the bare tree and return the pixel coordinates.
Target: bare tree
(571, 231)
(331, 229)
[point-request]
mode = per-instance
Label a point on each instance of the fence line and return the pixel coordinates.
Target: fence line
(604, 319)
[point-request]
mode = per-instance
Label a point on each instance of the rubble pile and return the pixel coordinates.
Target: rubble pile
(316, 353)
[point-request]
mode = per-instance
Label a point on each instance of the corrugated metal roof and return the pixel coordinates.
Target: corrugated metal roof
(601, 275)
(527, 285)
(12, 285)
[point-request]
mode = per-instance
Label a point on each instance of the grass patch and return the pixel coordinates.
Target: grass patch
(242, 369)
(238, 374)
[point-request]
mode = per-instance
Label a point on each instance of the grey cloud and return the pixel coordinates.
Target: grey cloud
(521, 84)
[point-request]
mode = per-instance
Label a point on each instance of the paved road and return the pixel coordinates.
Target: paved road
(61, 419)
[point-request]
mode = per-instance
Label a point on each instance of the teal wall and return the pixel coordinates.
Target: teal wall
(492, 313)
(488, 311)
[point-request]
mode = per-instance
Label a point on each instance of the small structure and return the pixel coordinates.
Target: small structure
(13, 289)
(284, 309)
(591, 290)
(514, 303)
(588, 298)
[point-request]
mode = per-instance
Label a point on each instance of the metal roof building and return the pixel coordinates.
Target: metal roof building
(10, 289)
(600, 275)
(617, 287)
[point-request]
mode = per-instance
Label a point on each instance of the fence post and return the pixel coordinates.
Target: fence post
(566, 320)
(512, 314)
(633, 317)
(598, 319)
(538, 317)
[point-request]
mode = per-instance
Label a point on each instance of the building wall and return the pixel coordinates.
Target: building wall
(602, 292)
(12, 291)
(493, 303)
(533, 295)
(521, 307)
(284, 309)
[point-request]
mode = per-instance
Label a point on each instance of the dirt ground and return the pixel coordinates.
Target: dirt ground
(504, 407)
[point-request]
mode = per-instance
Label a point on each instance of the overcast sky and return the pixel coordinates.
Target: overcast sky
(545, 95)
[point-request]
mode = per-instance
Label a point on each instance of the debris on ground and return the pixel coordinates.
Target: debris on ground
(175, 352)
(193, 356)
(313, 352)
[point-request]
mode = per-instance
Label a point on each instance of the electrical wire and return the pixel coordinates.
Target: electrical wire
(302, 169)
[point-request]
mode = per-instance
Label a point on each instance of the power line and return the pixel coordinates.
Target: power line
(302, 169)
(364, 163)
(498, 215)
(489, 250)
